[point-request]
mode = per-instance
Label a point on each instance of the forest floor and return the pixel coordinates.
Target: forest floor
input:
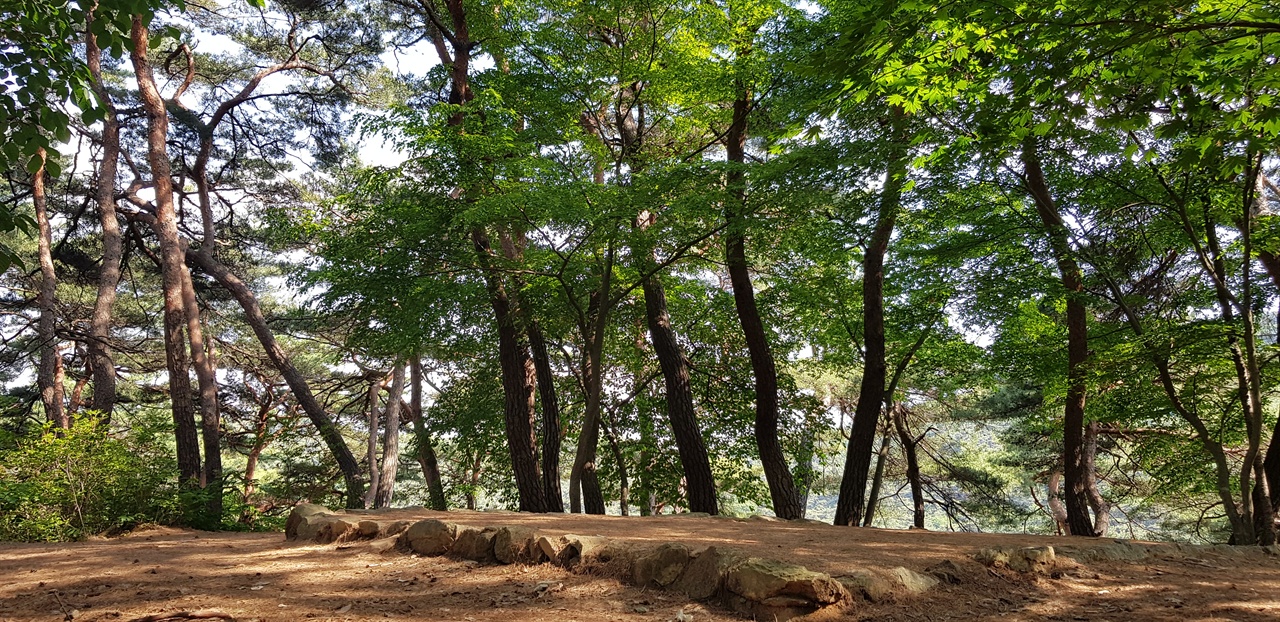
(159, 573)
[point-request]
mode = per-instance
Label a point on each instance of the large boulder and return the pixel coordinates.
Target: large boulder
(298, 515)
(516, 544)
(429, 537)
(661, 566)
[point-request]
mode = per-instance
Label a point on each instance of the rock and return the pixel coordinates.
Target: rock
(758, 579)
(338, 528)
(369, 528)
(912, 581)
(429, 537)
(660, 567)
(297, 515)
(995, 557)
(515, 544)
(1037, 555)
(1038, 558)
(383, 545)
(574, 548)
(395, 528)
(869, 584)
(548, 549)
(704, 575)
(764, 519)
(946, 571)
(474, 543)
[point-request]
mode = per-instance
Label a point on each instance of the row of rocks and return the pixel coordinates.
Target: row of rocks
(758, 587)
(1044, 559)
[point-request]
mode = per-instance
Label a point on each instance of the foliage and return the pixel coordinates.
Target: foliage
(68, 484)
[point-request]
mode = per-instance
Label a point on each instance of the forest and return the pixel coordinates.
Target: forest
(996, 265)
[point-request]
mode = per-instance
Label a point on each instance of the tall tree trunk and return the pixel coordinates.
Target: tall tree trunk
(100, 358)
(684, 422)
(853, 484)
(391, 441)
(210, 420)
(1101, 508)
(51, 390)
(550, 419)
(782, 487)
(1077, 344)
(1271, 463)
(909, 443)
(583, 477)
(426, 450)
(172, 260)
(624, 484)
(518, 382)
(298, 385)
(371, 448)
(877, 480)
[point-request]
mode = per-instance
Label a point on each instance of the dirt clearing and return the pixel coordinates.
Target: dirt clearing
(162, 572)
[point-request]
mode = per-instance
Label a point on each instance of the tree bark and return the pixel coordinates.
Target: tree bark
(371, 448)
(1101, 508)
(172, 260)
(426, 450)
(782, 487)
(323, 423)
(550, 418)
(1056, 509)
(210, 419)
(391, 441)
(909, 443)
(700, 482)
(583, 477)
(877, 480)
(52, 392)
(101, 359)
(518, 382)
(1077, 344)
(853, 484)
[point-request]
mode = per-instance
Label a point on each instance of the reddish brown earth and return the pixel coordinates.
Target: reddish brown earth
(262, 577)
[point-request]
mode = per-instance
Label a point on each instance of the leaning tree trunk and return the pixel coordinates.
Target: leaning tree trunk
(853, 484)
(426, 450)
(700, 483)
(390, 441)
(100, 358)
(51, 390)
(323, 423)
(1076, 496)
(782, 487)
(172, 260)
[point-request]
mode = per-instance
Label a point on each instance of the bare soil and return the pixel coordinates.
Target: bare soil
(166, 572)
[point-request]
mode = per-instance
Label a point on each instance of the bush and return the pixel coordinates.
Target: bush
(84, 481)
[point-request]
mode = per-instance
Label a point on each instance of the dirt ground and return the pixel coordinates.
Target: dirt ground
(155, 573)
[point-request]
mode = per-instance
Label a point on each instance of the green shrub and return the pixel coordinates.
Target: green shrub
(83, 481)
